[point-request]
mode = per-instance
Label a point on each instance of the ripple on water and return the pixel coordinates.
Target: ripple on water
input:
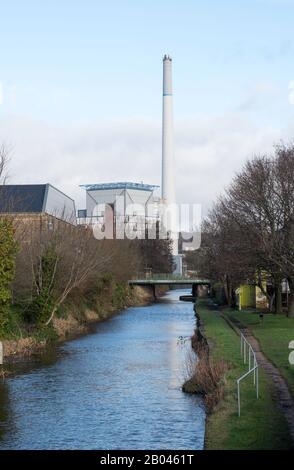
(117, 388)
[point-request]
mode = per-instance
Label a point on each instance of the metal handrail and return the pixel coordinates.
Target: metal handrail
(160, 276)
(246, 348)
(140, 276)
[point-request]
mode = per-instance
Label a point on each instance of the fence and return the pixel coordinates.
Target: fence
(247, 353)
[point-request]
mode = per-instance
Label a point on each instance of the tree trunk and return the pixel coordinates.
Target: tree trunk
(51, 316)
(233, 302)
(230, 293)
(291, 306)
(278, 298)
(291, 299)
(271, 302)
(227, 289)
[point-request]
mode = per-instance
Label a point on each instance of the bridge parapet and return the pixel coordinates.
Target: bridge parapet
(161, 276)
(168, 279)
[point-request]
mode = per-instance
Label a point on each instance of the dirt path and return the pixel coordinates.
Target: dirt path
(281, 390)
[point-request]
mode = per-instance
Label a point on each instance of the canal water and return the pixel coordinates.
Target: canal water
(117, 388)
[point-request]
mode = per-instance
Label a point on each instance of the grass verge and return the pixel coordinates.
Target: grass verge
(274, 334)
(261, 425)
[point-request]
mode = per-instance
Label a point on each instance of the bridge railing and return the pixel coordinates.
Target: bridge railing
(160, 276)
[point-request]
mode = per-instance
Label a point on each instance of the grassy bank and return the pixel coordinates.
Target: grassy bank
(21, 339)
(274, 334)
(261, 425)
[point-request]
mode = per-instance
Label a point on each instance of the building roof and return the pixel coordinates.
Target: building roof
(119, 185)
(21, 198)
(37, 199)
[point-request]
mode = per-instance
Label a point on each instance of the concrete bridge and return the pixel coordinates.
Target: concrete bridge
(170, 280)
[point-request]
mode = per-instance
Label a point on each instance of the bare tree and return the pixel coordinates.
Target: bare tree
(224, 256)
(4, 160)
(249, 234)
(260, 202)
(59, 260)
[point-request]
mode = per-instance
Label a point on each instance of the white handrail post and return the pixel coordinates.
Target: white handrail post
(252, 368)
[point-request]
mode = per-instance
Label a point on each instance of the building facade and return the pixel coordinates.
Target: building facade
(37, 199)
(119, 205)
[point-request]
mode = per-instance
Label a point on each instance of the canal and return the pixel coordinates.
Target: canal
(116, 388)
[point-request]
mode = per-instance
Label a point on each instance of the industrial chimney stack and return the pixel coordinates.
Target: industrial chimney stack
(168, 176)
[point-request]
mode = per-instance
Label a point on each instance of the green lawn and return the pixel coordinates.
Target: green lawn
(274, 334)
(261, 425)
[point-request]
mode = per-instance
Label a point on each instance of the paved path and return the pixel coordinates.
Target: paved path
(281, 390)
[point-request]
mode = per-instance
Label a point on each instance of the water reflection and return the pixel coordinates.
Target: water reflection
(117, 388)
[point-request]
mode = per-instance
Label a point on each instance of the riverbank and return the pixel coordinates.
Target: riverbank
(76, 318)
(262, 425)
(118, 387)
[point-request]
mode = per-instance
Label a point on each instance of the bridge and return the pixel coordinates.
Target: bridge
(169, 280)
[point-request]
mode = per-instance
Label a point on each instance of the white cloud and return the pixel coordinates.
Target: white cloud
(208, 153)
(217, 149)
(262, 95)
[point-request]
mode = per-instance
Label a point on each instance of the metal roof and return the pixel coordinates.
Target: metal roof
(26, 198)
(119, 185)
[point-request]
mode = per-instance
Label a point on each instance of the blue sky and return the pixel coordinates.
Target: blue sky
(87, 76)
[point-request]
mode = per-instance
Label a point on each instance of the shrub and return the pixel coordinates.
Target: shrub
(119, 295)
(8, 250)
(42, 304)
(205, 377)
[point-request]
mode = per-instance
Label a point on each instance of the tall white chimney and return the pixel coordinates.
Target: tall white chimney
(168, 175)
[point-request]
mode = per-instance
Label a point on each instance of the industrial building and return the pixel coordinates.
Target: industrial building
(118, 203)
(30, 200)
(102, 206)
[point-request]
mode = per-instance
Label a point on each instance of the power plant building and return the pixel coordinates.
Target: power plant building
(126, 200)
(118, 201)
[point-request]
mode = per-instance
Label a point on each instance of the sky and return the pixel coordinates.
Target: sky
(81, 86)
